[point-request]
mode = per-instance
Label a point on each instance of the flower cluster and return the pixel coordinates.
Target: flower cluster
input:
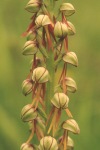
(47, 45)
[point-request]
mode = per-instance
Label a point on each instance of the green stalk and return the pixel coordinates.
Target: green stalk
(51, 7)
(50, 84)
(50, 66)
(52, 3)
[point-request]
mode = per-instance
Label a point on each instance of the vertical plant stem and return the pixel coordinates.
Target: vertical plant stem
(51, 7)
(52, 3)
(50, 84)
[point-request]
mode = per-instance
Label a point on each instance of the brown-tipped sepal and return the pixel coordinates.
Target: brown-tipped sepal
(40, 75)
(33, 6)
(31, 36)
(71, 28)
(27, 146)
(69, 141)
(27, 86)
(48, 143)
(68, 9)
(71, 125)
(30, 48)
(70, 144)
(71, 84)
(38, 125)
(60, 100)
(41, 124)
(71, 58)
(28, 113)
(42, 20)
(60, 30)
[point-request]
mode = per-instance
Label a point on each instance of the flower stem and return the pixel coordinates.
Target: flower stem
(31, 136)
(50, 84)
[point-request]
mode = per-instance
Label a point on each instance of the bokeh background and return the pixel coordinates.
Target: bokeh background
(85, 103)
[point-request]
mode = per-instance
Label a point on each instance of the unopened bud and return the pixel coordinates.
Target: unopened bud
(60, 100)
(71, 28)
(42, 20)
(31, 125)
(40, 75)
(28, 113)
(27, 86)
(30, 48)
(69, 141)
(71, 125)
(71, 84)
(70, 144)
(33, 6)
(40, 123)
(31, 36)
(48, 143)
(71, 58)
(39, 62)
(60, 29)
(67, 8)
(27, 146)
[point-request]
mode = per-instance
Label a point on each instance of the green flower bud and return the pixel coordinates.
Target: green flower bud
(28, 113)
(40, 75)
(42, 20)
(71, 125)
(41, 123)
(30, 48)
(70, 144)
(71, 84)
(27, 86)
(60, 100)
(48, 143)
(31, 36)
(67, 9)
(31, 125)
(26, 146)
(60, 30)
(71, 58)
(33, 6)
(71, 28)
(39, 62)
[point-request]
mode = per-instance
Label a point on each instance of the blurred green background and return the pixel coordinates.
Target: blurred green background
(84, 104)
